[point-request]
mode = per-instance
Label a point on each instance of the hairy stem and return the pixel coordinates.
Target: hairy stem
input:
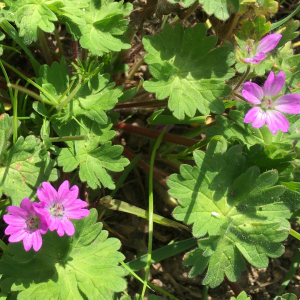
(68, 138)
(59, 45)
(44, 45)
(241, 81)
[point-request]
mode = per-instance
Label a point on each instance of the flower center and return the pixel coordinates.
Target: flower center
(249, 46)
(57, 210)
(267, 103)
(32, 223)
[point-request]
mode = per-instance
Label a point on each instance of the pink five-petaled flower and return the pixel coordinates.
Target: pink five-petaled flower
(60, 206)
(25, 223)
(270, 111)
(267, 44)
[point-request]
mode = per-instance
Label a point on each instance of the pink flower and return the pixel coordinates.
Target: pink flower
(60, 206)
(267, 44)
(270, 111)
(25, 223)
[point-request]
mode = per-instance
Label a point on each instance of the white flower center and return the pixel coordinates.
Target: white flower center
(57, 210)
(32, 223)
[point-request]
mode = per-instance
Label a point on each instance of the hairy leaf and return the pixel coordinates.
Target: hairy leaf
(93, 161)
(242, 296)
(93, 98)
(288, 32)
(24, 166)
(291, 68)
(236, 212)
(29, 16)
(84, 266)
(220, 8)
(186, 70)
(104, 26)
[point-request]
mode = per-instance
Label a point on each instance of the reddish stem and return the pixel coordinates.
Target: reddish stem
(145, 166)
(155, 103)
(74, 52)
(168, 137)
(234, 286)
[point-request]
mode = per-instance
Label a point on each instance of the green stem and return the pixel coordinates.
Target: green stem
(29, 92)
(24, 118)
(164, 22)
(3, 246)
(68, 138)
(45, 47)
(150, 226)
(84, 54)
(205, 292)
(32, 82)
(242, 80)
(11, 31)
(11, 95)
(135, 68)
(295, 234)
(71, 95)
(59, 45)
(162, 291)
(15, 116)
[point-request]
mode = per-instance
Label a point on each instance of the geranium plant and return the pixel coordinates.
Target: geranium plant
(101, 101)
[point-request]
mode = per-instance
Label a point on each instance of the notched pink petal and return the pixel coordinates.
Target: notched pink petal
(269, 42)
(37, 240)
(47, 194)
(68, 226)
(18, 236)
(250, 97)
(276, 120)
(14, 220)
(251, 114)
(27, 242)
(273, 86)
(260, 119)
(77, 214)
(17, 211)
(258, 57)
(254, 89)
(13, 229)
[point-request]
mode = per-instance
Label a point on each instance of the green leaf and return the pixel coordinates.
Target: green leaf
(94, 97)
(291, 68)
(220, 8)
(186, 70)
(2, 37)
(104, 26)
(288, 32)
(236, 212)
(184, 3)
(5, 132)
(93, 161)
(236, 128)
(289, 297)
(266, 7)
(29, 16)
(277, 24)
(24, 166)
(242, 296)
(84, 266)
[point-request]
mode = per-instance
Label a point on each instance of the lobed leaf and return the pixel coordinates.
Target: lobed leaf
(186, 69)
(30, 16)
(84, 266)
(93, 161)
(235, 212)
(220, 8)
(24, 166)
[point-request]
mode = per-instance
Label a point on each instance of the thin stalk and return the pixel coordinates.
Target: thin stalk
(59, 45)
(135, 68)
(45, 47)
(11, 95)
(29, 92)
(3, 246)
(295, 234)
(15, 116)
(291, 272)
(296, 45)
(150, 226)
(187, 13)
(24, 118)
(168, 137)
(84, 54)
(162, 291)
(238, 96)
(32, 82)
(242, 80)
(71, 95)
(11, 31)
(233, 25)
(204, 292)
(154, 103)
(234, 286)
(68, 138)
(164, 22)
